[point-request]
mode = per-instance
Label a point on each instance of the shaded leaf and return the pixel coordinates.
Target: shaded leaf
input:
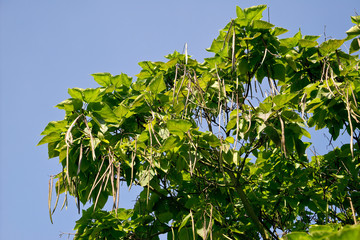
(170, 143)
(354, 46)
(103, 111)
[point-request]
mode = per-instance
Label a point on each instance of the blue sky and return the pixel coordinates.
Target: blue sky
(48, 46)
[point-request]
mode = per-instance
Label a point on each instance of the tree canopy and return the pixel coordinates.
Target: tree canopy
(220, 148)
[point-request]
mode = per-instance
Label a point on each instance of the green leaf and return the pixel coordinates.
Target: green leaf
(290, 60)
(291, 116)
(354, 46)
(52, 152)
(278, 72)
(103, 111)
(319, 231)
(254, 12)
(121, 111)
(239, 12)
(330, 46)
(216, 46)
(185, 234)
(311, 37)
(124, 214)
(55, 126)
(236, 159)
(92, 95)
(353, 32)
(355, 20)
(305, 133)
(211, 139)
(307, 43)
(243, 66)
(297, 236)
(145, 177)
(230, 140)
(164, 133)
(121, 80)
(346, 233)
(52, 137)
(170, 143)
(165, 216)
(273, 134)
(289, 42)
(104, 79)
(282, 99)
(201, 229)
(184, 221)
(157, 85)
(278, 31)
(231, 124)
(178, 126)
(329, 231)
(76, 93)
(71, 104)
(260, 24)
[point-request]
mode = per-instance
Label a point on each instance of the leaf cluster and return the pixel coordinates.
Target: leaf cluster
(220, 147)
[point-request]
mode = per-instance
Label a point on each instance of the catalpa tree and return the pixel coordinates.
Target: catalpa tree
(219, 148)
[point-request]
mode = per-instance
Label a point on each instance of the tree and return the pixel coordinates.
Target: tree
(220, 148)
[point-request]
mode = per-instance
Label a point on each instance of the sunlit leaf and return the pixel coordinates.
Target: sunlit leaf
(157, 85)
(259, 24)
(92, 95)
(178, 126)
(282, 99)
(278, 31)
(76, 93)
(239, 12)
(121, 111)
(297, 236)
(52, 137)
(121, 80)
(254, 12)
(71, 104)
(55, 126)
(307, 43)
(353, 32)
(330, 46)
(104, 79)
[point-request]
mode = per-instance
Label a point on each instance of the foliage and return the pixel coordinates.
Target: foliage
(218, 154)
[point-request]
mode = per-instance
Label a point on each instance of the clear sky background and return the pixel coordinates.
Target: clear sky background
(48, 46)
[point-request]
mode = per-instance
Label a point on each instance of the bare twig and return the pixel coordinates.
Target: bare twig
(49, 197)
(352, 210)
